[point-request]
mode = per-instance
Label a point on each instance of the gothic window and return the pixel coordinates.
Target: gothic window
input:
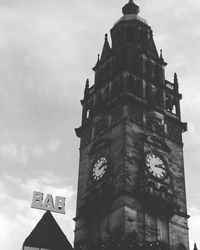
(151, 187)
(174, 106)
(87, 110)
(171, 104)
(130, 86)
(148, 70)
(143, 38)
(139, 66)
(147, 91)
(150, 228)
(158, 75)
(138, 88)
(87, 113)
(117, 88)
(163, 193)
(168, 103)
(157, 96)
(100, 127)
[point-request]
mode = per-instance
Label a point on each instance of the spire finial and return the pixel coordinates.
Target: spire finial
(161, 54)
(175, 78)
(130, 8)
(195, 246)
(176, 87)
(106, 36)
(97, 63)
(86, 88)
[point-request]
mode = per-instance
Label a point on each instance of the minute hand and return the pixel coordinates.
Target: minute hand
(159, 166)
(102, 166)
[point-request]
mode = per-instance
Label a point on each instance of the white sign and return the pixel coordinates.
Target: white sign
(47, 203)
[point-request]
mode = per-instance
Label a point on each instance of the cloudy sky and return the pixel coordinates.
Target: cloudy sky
(47, 50)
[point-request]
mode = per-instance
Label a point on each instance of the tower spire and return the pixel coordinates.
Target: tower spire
(106, 48)
(130, 8)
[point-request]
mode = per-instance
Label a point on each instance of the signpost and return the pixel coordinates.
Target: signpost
(48, 203)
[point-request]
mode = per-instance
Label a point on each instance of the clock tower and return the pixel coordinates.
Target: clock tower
(131, 184)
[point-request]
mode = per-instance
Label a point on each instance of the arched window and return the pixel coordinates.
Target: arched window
(163, 193)
(151, 187)
(148, 70)
(158, 96)
(138, 88)
(143, 38)
(169, 103)
(174, 106)
(158, 74)
(147, 91)
(130, 86)
(87, 113)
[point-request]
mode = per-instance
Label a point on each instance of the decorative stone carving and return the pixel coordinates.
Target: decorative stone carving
(135, 115)
(100, 127)
(99, 145)
(174, 132)
(155, 123)
(158, 142)
(116, 116)
(86, 137)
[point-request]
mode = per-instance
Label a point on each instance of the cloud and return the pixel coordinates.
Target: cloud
(54, 145)
(47, 50)
(22, 153)
(12, 152)
(37, 151)
(46, 182)
(16, 216)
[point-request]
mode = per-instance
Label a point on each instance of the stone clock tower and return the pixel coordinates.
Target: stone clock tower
(131, 186)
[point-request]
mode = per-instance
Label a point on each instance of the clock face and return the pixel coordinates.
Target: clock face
(156, 166)
(100, 168)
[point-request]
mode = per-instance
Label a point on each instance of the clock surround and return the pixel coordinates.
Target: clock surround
(156, 166)
(99, 168)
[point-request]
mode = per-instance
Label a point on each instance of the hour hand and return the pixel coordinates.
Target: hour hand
(159, 166)
(104, 164)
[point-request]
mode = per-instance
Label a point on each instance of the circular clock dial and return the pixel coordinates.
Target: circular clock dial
(156, 166)
(99, 168)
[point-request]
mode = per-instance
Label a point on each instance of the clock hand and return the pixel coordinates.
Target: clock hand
(159, 166)
(102, 166)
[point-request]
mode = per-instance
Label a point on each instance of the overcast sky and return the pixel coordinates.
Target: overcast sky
(47, 50)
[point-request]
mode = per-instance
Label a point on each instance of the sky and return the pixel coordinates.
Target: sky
(47, 50)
